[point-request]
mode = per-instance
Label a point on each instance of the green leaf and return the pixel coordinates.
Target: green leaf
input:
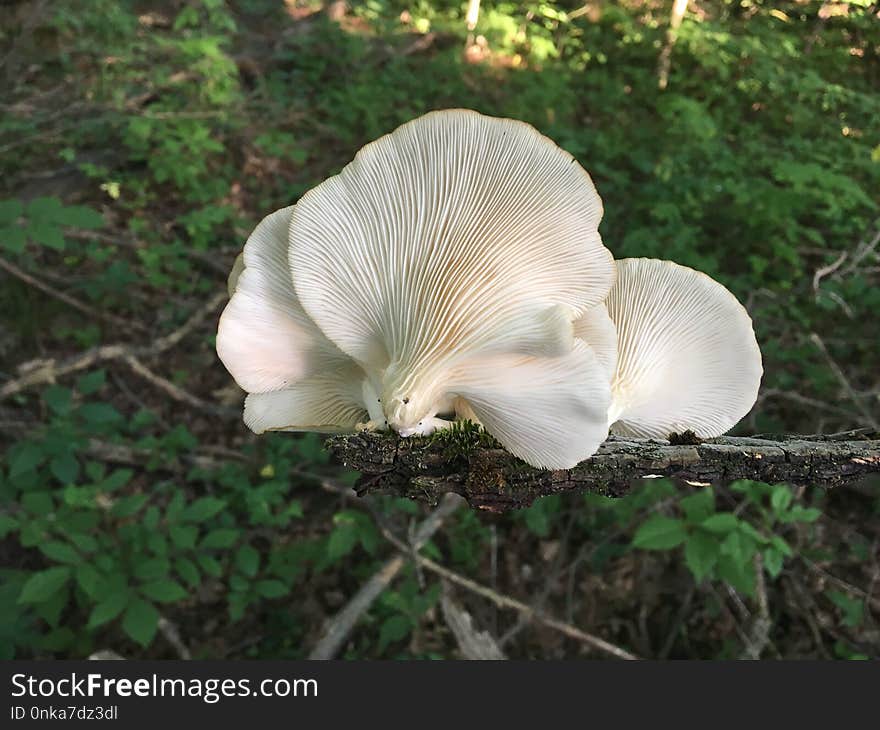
(140, 621)
(81, 216)
(203, 509)
(50, 610)
(738, 546)
(164, 591)
(86, 543)
(58, 399)
(7, 525)
(57, 640)
(750, 532)
(394, 628)
(739, 575)
(187, 570)
(210, 565)
(781, 545)
(151, 518)
(47, 234)
(60, 552)
(46, 209)
(184, 536)
(853, 609)
(698, 506)
(128, 506)
(801, 514)
(151, 569)
(248, 560)
(119, 478)
(98, 414)
(237, 602)
(13, 239)
(158, 544)
(38, 504)
(89, 580)
(65, 468)
(342, 541)
(780, 498)
(660, 533)
(43, 585)
(701, 552)
(24, 458)
(539, 517)
(175, 508)
(108, 609)
(369, 537)
(91, 383)
(271, 588)
(10, 211)
(221, 538)
(773, 560)
(721, 523)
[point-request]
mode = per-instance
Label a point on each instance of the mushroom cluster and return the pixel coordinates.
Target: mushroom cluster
(454, 270)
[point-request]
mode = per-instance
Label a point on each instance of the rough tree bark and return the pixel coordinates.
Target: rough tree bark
(490, 478)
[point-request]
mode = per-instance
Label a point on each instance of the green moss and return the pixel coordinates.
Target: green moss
(461, 439)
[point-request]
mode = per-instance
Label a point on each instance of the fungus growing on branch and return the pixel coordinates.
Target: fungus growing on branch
(454, 270)
(687, 358)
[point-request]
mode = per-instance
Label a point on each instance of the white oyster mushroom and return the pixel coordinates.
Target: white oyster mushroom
(296, 378)
(449, 260)
(596, 328)
(687, 357)
(566, 392)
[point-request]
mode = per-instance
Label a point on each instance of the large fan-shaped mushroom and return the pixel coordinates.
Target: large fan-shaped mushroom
(687, 358)
(458, 243)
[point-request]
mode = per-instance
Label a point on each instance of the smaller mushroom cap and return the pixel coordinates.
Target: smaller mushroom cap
(297, 379)
(687, 353)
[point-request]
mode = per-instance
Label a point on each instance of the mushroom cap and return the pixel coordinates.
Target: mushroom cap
(687, 353)
(297, 377)
(596, 328)
(327, 403)
(456, 236)
(549, 411)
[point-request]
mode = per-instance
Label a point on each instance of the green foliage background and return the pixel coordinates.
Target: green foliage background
(140, 142)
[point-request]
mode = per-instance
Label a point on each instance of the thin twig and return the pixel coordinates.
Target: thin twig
(503, 601)
(824, 271)
(472, 643)
(836, 369)
(679, 7)
(863, 250)
(872, 601)
(802, 603)
(67, 299)
(172, 636)
(759, 636)
(176, 392)
(341, 626)
(803, 400)
(47, 371)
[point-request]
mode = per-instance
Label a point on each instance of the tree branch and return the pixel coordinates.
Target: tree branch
(471, 464)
